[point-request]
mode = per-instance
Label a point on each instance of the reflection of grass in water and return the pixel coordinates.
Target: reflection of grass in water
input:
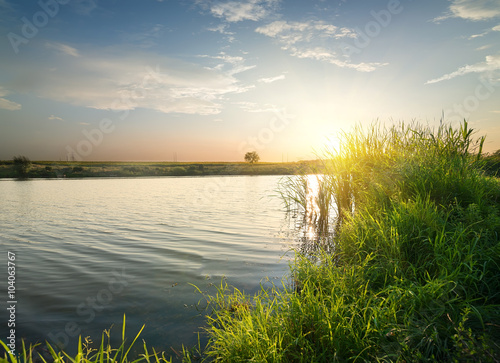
(309, 199)
(414, 274)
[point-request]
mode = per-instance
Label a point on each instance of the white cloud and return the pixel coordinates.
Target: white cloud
(62, 48)
(325, 55)
(475, 10)
(491, 64)
(55, 118)
(494, 29)
(9, 105)
(234, 11)
(222, 28)
(142, 80)
(289, 33)
(298, 38)
(479, 35)
(234, 63)
(484, 47)
(272, 79)
(5, 103)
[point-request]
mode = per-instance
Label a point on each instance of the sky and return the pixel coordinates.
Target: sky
(209, 80)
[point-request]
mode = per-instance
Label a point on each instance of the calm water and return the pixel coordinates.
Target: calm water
(88, 251)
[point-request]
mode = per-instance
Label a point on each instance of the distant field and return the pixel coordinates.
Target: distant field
(88, 169)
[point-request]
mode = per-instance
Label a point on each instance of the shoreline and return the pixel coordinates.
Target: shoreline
(98, 169)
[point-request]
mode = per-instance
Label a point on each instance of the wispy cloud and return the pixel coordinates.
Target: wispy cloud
(494, 29)
(231, 64)
(234, 11)
(472, 10)
(142, 80)
(5, 103)
(223, 29)
(220, 28)
(299, 39)
(491, 64)
(484, 47)
(272, 79)
(55, 118)
(9, 105)
(62, 48)
(332, 57)
(293, 32)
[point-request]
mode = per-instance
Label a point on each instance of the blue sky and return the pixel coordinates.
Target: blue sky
(208, 80)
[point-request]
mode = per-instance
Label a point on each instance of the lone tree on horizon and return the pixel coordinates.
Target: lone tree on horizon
(252, 157)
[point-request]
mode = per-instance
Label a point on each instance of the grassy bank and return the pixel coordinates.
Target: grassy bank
(73, 169)
(413, 270)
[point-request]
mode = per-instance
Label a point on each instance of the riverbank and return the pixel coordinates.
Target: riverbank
(90, 169)
(412, 273)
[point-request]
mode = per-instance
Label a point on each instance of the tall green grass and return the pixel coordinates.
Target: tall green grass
(414, 272)
(88, 352)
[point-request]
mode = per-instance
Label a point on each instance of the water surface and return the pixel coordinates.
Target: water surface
(90, 250)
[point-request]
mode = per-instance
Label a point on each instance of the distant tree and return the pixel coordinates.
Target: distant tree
(22, 165)
(252, 157)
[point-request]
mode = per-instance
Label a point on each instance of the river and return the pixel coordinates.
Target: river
(88, 251)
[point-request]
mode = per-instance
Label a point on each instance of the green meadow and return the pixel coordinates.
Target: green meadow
(89, 169)
(404, 265)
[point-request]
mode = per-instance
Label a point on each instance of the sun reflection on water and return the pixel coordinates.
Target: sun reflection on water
(312, 210)
(311, 204)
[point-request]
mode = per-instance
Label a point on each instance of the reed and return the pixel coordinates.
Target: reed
(88, 352)
(414, 274)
